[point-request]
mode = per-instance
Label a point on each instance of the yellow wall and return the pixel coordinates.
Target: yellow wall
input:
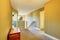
(52, 18)
(5, 18)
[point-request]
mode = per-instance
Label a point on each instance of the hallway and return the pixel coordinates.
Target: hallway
(36, 19)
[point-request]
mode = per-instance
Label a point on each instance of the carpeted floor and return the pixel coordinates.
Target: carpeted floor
(27, 35)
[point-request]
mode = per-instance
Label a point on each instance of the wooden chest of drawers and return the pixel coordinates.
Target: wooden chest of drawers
(14, 36)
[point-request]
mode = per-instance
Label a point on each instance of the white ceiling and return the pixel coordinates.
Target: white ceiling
(27, 6)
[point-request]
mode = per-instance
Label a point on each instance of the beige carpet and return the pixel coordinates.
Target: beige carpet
(27, 35)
